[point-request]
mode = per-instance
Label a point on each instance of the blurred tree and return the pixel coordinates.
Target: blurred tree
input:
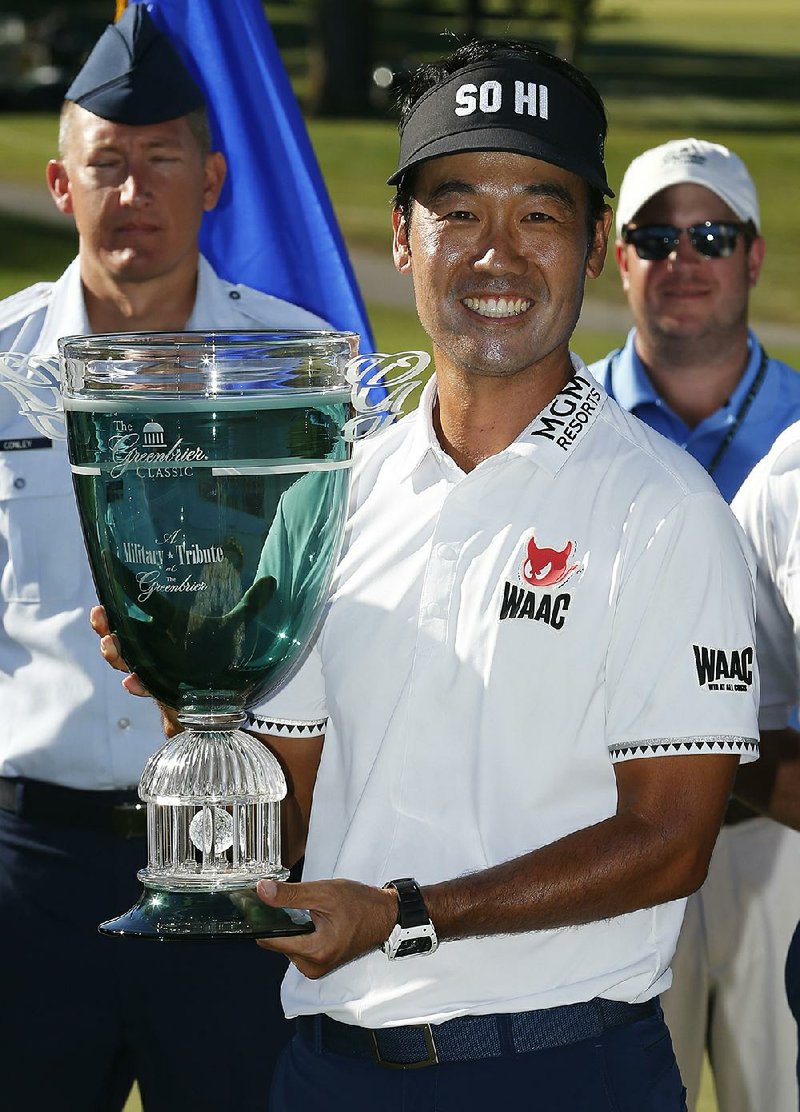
(578, 16)
(347, 38)
(341, 57)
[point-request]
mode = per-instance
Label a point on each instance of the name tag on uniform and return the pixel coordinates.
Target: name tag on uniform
(25, 443)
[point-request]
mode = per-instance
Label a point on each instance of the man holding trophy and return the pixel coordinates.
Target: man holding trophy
(535, 671)
(137, 173)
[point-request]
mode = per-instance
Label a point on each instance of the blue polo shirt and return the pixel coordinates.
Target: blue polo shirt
(774, 406)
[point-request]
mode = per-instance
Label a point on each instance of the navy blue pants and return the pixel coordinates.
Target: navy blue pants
(199, 1025)
(628, 1069)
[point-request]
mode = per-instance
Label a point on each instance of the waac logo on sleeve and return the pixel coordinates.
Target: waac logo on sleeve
(720, 670)
(544, 568)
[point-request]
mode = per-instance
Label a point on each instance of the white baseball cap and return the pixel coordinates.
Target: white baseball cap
(688, 160)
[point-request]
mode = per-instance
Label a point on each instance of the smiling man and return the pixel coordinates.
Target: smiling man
(529, 586)
(85, 1017)
(690, 250)
(537, 779)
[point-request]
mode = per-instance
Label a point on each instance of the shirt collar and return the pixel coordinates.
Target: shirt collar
(632, 386)
(549, 440)
(750, 372)
(204, 303)
(66, 313)
(422, 441)
(630, 383)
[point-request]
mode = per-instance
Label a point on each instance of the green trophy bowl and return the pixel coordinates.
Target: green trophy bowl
(211, 473)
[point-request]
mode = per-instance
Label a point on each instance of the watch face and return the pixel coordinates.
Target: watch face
(411, 946)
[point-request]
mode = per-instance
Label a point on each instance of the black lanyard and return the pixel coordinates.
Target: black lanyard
(744, 409)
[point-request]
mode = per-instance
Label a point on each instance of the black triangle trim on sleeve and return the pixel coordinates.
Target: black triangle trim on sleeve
(655, 747)
(287, 727)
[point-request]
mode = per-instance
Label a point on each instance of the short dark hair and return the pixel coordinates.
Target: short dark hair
(485, 50)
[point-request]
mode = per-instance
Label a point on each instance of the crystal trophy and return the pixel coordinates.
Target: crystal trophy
(211, 474)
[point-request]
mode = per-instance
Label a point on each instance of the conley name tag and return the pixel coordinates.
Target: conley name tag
(24, 443)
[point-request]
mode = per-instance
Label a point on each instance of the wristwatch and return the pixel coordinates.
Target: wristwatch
(414, 932)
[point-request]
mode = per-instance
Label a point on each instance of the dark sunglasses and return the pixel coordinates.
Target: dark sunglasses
(716, 239)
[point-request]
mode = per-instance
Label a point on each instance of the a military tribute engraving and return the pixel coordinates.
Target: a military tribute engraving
(211, 474)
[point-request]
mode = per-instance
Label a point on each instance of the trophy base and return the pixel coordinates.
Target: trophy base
(227, 915)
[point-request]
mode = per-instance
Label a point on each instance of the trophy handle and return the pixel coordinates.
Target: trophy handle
(35, 380)
(379, 382)
(379, 386)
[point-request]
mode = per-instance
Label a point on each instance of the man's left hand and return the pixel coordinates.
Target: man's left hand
(349, 920)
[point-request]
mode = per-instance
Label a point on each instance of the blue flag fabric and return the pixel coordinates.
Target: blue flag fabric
(274, 227)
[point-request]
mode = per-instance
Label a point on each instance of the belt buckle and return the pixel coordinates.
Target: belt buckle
(432, 1058)
(127, 820)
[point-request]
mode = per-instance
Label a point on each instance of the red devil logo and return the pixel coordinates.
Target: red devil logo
(544, 567)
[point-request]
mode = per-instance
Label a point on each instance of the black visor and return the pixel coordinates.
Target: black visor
(509, 104)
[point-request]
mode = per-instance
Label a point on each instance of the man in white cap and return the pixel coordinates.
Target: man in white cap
(689, 250)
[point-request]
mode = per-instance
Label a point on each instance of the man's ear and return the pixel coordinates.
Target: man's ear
(215, 172)
(401, 248)
(596, 254)
(58, 184)
(755, 259)
(621, 255)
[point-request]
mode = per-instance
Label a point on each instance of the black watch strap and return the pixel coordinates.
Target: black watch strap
(411, 909)
(413, 933)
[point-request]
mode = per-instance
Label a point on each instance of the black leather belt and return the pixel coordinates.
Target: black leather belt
(472, 1036)
(118, 812)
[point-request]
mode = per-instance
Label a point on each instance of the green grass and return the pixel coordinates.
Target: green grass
(26, 144)
(32, 252)
(769, 25)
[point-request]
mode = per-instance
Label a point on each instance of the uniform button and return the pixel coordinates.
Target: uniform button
(448, 552)
(19, 483)
(436, 611)
(123, 723)
(234, 295)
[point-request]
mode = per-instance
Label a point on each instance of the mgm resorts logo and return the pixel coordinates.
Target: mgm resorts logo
(718, 670)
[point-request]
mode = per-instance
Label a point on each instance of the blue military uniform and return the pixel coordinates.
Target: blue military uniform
(198, 1027)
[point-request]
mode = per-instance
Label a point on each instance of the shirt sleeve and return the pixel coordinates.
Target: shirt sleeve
(300, 542)
(298, 708)
(680, 675)
(769, 511)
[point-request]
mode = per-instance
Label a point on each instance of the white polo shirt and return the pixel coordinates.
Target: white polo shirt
(768, 506)
(495, 641)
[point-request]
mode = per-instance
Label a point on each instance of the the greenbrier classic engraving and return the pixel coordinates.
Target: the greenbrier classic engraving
(214, 546)
(211, 474)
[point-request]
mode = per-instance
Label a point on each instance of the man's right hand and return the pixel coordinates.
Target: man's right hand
(109, 647)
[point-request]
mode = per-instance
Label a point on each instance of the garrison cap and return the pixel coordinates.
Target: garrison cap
(134, 75)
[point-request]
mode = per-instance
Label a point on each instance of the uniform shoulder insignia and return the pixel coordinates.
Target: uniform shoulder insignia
(23, 304)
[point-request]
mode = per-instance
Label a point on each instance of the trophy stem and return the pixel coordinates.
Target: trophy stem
(213, 830)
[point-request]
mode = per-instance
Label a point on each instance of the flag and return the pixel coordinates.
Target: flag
(274, 226)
